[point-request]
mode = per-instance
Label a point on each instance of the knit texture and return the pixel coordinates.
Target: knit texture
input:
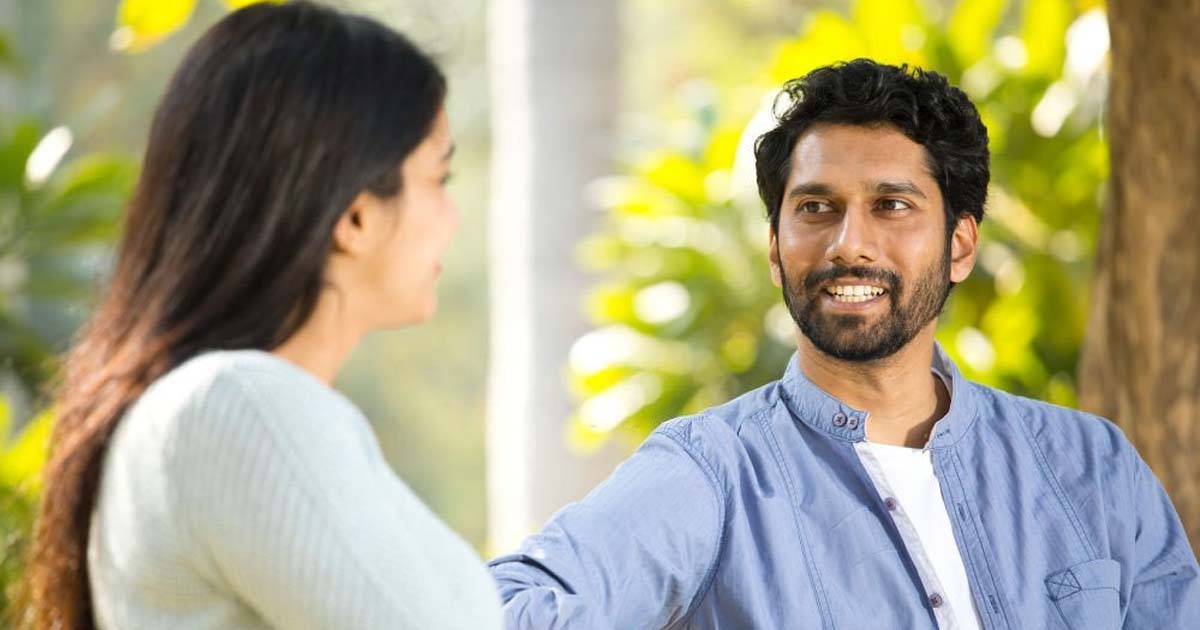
(241, 492)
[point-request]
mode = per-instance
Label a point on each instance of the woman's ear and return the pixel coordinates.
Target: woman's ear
(352, 232)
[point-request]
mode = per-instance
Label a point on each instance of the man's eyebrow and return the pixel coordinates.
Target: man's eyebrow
(901, 187)
(810, 188)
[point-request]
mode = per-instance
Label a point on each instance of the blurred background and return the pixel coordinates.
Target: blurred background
(611, 271)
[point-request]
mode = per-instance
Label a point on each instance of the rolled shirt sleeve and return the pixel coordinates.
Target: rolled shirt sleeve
(637, 552)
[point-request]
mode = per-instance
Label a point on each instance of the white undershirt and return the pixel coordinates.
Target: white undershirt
(909, 474)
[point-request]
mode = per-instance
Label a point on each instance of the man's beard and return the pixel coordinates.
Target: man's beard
(848, 337)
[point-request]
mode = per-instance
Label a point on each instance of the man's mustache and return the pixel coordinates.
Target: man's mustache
(889, 279)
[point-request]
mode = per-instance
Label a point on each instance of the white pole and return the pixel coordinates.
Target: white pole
(553, 69)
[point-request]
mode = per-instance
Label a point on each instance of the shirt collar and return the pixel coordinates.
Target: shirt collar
(822, 412)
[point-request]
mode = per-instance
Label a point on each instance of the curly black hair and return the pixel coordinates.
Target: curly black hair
(919, 103)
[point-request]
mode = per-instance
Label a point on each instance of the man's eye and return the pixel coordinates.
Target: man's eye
(893, 204)
(815, 207)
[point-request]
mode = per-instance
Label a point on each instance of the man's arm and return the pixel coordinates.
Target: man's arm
(637, 552)
(1166, 581)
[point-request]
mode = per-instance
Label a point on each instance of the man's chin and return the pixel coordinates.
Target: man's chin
(842, 327)
(857, 354)
(850, 344)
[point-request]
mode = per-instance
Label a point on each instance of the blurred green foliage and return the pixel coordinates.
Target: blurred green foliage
(58, 218)
(57, 221)
(686, 316)
(21, 458)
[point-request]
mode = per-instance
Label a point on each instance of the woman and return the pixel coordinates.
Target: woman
(204, 474)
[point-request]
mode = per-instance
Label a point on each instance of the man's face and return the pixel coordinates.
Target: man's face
(860, 250)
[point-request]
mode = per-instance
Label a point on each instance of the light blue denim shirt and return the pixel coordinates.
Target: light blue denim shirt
(759, 514)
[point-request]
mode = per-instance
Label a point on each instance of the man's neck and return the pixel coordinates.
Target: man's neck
(900, 393)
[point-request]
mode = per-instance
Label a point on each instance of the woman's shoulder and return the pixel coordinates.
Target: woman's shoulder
(218, 395)
(223, 371)
(216, 380)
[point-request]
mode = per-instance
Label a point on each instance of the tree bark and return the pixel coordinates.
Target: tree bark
(1141, 359)
(554, 70)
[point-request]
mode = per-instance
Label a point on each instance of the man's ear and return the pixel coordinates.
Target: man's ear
(773, 256)
(964, 248)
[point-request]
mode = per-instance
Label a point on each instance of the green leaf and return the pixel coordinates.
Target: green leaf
(95, 174)
(14, 153)
(21, 461)
(6, 51)
(722, 147)
(894, 30)
(5, 421)
(678, 175)
(1043, 31)
(83, 203)
(969, 31)
(146, 22)
(829, 37)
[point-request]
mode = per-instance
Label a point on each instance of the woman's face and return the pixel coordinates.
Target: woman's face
(400, 240)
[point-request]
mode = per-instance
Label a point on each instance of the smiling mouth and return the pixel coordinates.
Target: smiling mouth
(853, 293)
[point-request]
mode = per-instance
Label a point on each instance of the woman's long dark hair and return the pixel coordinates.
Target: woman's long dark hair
(277, 118)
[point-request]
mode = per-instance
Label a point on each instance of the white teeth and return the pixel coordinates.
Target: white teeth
(855, 290)
(854, 293)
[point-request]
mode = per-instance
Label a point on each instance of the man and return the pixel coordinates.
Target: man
(872, 486)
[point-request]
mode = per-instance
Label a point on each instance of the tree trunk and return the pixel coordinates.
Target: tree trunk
(1141, 359)
(553, 67)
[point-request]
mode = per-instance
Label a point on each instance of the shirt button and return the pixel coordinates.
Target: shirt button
(935, 600)
(853, 423)
(839, 420)
(890, 504)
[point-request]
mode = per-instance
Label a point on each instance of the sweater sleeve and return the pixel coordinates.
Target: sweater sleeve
(290, 510)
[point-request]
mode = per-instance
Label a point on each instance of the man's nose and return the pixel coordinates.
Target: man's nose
(854, 242)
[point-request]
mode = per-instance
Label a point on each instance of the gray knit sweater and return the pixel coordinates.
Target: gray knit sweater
(241, 492)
